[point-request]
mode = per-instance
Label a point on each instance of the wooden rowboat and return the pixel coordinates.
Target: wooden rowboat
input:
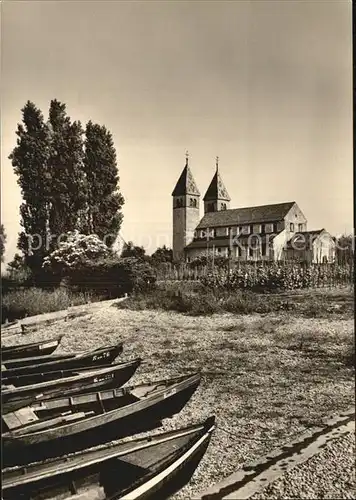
(44, 430)
(112, 376)
(29, 350)
(104, 355)
(147, 468)
(36, 360)
(38, 378)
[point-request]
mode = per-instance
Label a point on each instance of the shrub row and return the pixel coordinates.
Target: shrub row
(207, 302)
(111, 277)
(278, 277)
(18, 304)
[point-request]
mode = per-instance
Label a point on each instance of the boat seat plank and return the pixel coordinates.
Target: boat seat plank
(53, 422)
(26, 415)
(11, 420)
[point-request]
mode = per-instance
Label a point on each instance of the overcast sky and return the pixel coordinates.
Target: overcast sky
(265, 85)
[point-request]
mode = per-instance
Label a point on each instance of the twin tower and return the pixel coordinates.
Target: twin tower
(186, 213)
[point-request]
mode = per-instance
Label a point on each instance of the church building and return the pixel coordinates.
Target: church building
(267, 232)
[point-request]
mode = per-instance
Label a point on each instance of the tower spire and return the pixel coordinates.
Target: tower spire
(217, 164)
(186, 157)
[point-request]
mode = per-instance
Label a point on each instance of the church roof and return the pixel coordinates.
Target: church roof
(186, 184)
(216, 189)
(247, 215)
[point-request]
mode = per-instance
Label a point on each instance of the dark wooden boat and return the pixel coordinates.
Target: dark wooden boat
(35, 360)
(38, 378)
(154, 467)
(104, 355)
(112, 376)
(29, 350)
(64, 425)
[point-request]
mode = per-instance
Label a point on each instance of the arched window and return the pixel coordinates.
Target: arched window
(193, 202)
(223, 206)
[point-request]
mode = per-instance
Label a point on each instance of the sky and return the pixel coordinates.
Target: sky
(265, 85)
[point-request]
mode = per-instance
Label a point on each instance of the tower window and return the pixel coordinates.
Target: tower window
(210, 207)
(193, 202)
(292, 227)
(179, 203)
(223, 206)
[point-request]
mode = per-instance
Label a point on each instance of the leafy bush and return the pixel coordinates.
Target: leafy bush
(112, 277)
(7, 285)
(18, 271)
(75, 251)
(187, 302)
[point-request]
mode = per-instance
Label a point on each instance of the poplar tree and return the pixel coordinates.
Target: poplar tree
(68, 186)
(30, 161)
(104, 215)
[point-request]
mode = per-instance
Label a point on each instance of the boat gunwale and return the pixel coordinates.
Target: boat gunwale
(79, 462)
(19, 347)
(95, 371)
(82, 425)
(49, 364)
(36, 406)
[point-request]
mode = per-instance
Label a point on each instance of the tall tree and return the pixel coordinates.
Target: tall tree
(2, 241)
(68, 196)
(105, 201)
(30, 161)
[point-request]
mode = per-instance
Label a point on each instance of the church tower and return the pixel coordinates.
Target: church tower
(216, 197)
(186, 199)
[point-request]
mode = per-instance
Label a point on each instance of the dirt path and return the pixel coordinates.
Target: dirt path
(25, 324)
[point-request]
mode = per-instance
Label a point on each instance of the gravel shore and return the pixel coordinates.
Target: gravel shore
(328, 475)
(266, 379)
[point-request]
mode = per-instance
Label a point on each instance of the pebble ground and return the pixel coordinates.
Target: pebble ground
(329, 474)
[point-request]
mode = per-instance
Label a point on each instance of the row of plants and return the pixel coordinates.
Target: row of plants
(275, 276)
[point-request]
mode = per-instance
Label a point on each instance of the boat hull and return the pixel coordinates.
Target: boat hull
(140, 416)
(114, 376)
(146, 468)
(29, 350)
(106, 355)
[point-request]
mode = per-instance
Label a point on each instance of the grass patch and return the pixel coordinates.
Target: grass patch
(203, 301)
(19, 304)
